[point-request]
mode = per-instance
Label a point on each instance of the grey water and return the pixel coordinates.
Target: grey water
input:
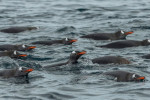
(58, 19)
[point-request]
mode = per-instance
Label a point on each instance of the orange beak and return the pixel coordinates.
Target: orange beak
(29, 70)
(22, 55)
(141, 78)
(82, 53)
(31, 47)
(127, 33)
(73, 40)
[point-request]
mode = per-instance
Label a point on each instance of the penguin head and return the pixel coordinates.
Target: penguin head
(136, 77)
(32, 28)
(122, 34)
(75, 55)
(146, 42)
(25, 47)
(68, 41)
(22, 71)
(15, 54)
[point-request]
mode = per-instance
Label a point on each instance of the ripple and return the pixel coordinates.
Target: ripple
(72, 19)
(66, 29)
(57, 96)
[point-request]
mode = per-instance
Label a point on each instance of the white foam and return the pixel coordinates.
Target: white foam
(37, 28)
(148, 40)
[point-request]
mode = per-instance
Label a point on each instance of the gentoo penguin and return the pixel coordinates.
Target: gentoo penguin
(73, 59)
(12, 54)
(146, 56)
(17, 29)
(16, 47)
(126, 43)
(123, 76)
(16, 72)
(110, 59)
(108, 36)
(65, 41)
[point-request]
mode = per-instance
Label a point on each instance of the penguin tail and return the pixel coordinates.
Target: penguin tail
(101, 46)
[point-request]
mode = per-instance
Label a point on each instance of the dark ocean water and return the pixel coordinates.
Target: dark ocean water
(73, 18)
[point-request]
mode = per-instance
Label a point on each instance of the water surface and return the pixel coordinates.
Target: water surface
(73, 18)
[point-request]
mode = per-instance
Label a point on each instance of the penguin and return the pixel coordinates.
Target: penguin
(16, 72)
(110, 59)
(108, 36)
(73, 59)
(123, 76)
(65, 41)
(12, 54)
(17, 29)
(16, 47)
(146, 56)
(126, 43)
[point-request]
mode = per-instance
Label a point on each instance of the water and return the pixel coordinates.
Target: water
(73, 18)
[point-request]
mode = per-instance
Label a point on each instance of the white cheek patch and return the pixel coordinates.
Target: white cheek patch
(122, 32)
(148, 41)
(66, 39)
(133, 76)
(23, 46)
(115, 78)
(73, 52)
(15, 52)
(20, 69)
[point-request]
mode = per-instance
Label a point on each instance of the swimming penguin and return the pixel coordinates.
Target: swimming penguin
(110, 59)
(108, 36)
(73, 59)
(65, 41)
(146, 56)
(17, 29)
(126, 43)
(16, 72)
(16, 47)
(12, 54)
(123, 76)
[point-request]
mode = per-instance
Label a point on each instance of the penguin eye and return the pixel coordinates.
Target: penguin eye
(66, 39)
(122, 32)
(23, 46)
(15, 52)
(20, 69)
(73, 52)
(148, 41)
(133, 76)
